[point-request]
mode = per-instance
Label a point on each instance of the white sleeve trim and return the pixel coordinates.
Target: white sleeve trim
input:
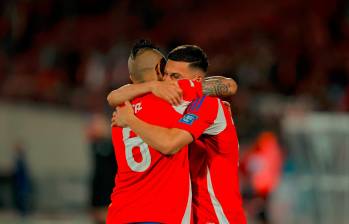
(222, 218)
(219, 124)
(182, 107)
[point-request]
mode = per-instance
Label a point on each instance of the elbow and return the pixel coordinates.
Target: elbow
(234, 87)
(174, 141)
(109, 99)
(168, 148)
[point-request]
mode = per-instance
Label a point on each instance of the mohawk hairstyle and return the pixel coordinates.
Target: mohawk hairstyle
(140, 46)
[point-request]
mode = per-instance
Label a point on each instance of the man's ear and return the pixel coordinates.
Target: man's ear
(132, 81)
(199, 78)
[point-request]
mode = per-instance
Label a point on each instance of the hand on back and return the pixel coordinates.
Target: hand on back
(168, 90)
(122, 114)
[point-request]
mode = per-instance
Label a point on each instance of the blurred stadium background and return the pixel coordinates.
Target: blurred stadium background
(290, 58)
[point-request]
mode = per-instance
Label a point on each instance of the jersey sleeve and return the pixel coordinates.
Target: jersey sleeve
(199, 116)
(152, 107)
(191, 89)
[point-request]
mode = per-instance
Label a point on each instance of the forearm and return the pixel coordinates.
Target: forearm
(127, 92)
(165, 140)
(219, 86)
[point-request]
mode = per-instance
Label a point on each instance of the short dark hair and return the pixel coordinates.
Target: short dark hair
(142, 45)
(192, 54)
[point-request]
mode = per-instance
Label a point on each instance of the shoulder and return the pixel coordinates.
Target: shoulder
(205, 105)
(203, 101)
(148, 98)
(151, 103)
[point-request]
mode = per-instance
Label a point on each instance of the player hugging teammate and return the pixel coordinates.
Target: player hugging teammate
(175, 142)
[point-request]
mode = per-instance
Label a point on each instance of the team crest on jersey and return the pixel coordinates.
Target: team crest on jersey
(188, 119)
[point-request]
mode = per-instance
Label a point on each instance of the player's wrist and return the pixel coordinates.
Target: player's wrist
(153, 85)
(130, 119)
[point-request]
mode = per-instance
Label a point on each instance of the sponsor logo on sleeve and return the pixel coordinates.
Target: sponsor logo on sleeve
(188, 119)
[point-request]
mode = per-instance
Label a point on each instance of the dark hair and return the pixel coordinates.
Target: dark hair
(162, 65)
(140, 46)
(192, 54)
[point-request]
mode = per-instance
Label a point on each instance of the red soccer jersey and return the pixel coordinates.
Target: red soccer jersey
(213, 162)
(150, 186)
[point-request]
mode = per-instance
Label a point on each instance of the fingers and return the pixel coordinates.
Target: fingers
(114, 120)
(175, 82)
(177, 87)
(175, 94)
(176, 100)
(127, 103)
(174, 97)
(113, 124)
(114, 117)
(169, 91)
(122, 113)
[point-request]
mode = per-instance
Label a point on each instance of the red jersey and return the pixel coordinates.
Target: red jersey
(150, 186)
(213, 162)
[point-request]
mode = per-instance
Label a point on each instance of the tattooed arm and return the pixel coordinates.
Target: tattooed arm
(219, 86)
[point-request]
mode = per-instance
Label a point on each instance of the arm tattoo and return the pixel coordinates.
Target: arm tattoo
(215, 87)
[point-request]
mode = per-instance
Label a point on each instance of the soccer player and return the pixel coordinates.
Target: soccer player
(214, 158)
(150, 186)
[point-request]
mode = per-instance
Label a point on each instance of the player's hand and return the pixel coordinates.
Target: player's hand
(113, 119)
(168, 90)
(122, 115)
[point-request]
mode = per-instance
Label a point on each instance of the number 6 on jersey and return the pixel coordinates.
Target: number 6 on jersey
(130, 144)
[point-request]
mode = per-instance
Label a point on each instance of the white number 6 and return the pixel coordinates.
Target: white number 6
(131, 143)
